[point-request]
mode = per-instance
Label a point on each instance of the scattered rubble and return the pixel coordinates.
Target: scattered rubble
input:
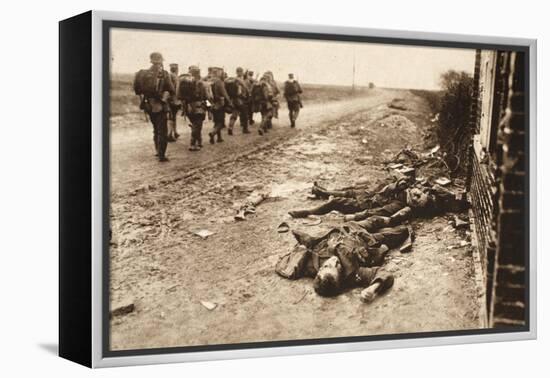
(249, 207)
(283, 227)
(123, 308)
(443, 181)
(203, 233)
(398, 103)
(459, 223)
(209, 305)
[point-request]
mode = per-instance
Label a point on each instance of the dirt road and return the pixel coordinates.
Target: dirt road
(166, 271)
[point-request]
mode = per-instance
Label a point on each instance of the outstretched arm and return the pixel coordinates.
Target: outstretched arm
(376, 281)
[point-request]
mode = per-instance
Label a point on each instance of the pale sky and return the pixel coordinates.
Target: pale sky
(315, 62)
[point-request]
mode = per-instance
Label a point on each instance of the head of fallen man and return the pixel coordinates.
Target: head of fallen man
(328, 280)
(417, 198)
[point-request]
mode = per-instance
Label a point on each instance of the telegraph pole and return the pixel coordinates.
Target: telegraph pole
(353, 74)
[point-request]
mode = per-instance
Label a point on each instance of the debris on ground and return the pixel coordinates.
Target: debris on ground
(407, 171)
(283, 227)
(306, 292)
(395, 166)
(435, 149)
(249, 207)
(203, 233)
(448, 229)
(398, 103)
(312, 220)
(443, 181)
(459, 223)
(407, 156)
(123, 308)
(407, 246)
(209, 305)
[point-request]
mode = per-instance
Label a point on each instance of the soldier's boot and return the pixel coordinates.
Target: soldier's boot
(245, 130)
(299, 213)
(319, 191)
(232, 121)
(211, 135)
(193, 147)
(260, 131)
(219, 137)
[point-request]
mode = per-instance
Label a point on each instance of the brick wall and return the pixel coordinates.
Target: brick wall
(509, 290)
(497, 187)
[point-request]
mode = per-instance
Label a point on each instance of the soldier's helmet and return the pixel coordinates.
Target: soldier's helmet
(173, 67)
(291, 76)
(156, 57)
(250, 73)
(239, 70)
(215, 71)
(194, 70)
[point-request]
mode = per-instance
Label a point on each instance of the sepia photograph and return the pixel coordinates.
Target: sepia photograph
(271, 189)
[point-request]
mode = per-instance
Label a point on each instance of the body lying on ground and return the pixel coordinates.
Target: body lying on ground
(361, 202)
(347, 256)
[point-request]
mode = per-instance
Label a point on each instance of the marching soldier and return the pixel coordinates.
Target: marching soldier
(154, 86)
(193, 93)
(274, 95)
(220, 101)
(264, 98)
(174, 105)
(249, 82)
(292, 93)
(239, 93)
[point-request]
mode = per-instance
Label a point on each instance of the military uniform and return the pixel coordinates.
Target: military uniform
(292, 93)
(361, 203)
(155, 103)
(220, 100)
(265, 106)
(274, 88)
(360, 252)
(195, 107)
(249, 83)
(174, 105)
(240, 104)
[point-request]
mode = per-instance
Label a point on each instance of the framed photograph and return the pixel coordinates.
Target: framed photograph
(234, 189)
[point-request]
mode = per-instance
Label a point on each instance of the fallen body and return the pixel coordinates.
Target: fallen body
(347, 256)
(362, 202)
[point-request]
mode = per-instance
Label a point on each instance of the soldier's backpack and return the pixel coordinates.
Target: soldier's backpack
(233, 87)
(258, 94)
(209, 88)
(291, 88)
(187, 88)
(293, 264)
(146, 83)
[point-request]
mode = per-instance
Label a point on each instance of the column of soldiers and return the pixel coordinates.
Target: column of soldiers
(164, 94)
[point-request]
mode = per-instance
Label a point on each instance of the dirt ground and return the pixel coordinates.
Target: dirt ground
(161, 266)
